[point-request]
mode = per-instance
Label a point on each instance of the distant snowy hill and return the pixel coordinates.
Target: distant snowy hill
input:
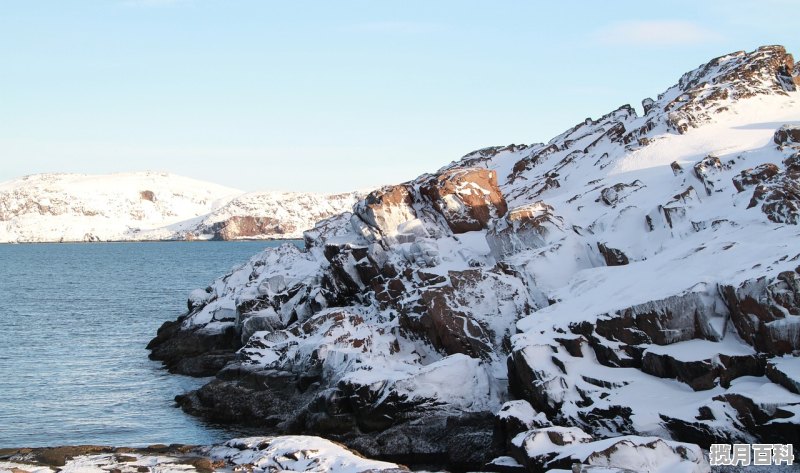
(615, 297)
(153, 206)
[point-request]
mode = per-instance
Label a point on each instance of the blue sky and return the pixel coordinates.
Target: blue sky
(335, 95)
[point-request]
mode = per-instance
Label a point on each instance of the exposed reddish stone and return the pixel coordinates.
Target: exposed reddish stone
(248, 226)
(703, 374)
(613, 256)
(383, 208)
(779, 199)
(766, 312)
(447, 328)
(467, 198)
(787, 135)
(792, 164)
(757, 175)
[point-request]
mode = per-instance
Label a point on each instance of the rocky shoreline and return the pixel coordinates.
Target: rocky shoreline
(252, 454)
(602, 300)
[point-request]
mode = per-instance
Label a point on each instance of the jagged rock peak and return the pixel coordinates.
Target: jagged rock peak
(709, 89)
(699, 95)
(767, 66)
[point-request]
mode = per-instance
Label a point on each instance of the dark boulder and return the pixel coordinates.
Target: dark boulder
(752, 177)
(787, 135)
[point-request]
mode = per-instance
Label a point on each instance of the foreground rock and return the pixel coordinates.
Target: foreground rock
(253, 454)
(540, 450)
(594, 281)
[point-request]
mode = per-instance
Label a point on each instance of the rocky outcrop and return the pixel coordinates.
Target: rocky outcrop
(549, 448)
(586, 290)
(269, 215)
(197, 352)
(612, 256)
(530, 226)
(617, 193)
(787, 135)
(239, 227)
(467, 198)
(786, 372)
(708, 170)
(752, 177)
(732, 77)
(385, 210)
(392, 422)
(779, 199)
(766, 312)
(705, 373)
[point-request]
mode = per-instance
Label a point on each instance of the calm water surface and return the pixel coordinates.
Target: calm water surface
(74, 322)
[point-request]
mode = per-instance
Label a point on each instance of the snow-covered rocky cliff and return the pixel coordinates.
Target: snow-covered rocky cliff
(153, 206)
(614, 297)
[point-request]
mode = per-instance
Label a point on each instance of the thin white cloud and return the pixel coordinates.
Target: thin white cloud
(656, 33)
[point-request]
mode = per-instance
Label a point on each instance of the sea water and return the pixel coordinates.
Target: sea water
(74, 323)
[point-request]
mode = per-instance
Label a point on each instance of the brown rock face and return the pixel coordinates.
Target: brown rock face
(613, 256)
(467, 198)
(448, 314)
(702, 374)
(779, 199)
(757, 175)
(147, 195)
(450, 329)
(766, 313)
(246, 227)
(787, 135)
(792, 164)
(385, 208)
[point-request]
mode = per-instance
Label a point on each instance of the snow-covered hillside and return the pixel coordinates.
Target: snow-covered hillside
(599, 299)
(153, 206)
(270, 215)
